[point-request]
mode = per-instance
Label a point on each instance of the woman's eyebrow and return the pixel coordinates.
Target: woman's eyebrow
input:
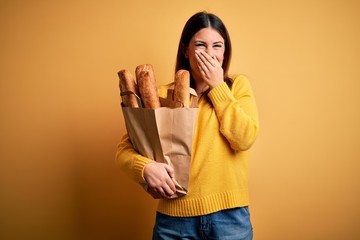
(201, 41)
(218, 42)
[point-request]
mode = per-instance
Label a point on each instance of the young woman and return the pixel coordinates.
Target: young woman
(216, 206)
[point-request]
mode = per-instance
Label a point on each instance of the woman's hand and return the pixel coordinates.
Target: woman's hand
(159, 179)
(210, 69)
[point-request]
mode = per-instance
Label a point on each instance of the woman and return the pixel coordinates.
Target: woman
(216, 206)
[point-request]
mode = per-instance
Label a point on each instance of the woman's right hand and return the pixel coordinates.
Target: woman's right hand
(159, 179)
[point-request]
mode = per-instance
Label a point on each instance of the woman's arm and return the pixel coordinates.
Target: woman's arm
(158, 176)
(130, 161)
(237, 112)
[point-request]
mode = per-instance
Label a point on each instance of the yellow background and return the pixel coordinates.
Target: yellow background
(61, 120)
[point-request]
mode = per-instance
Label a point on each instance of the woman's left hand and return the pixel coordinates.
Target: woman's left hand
(210, 69)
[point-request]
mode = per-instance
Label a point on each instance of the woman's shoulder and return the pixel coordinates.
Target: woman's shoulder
(238, 80)
(237, 77)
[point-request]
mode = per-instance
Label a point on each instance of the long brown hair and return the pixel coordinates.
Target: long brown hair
(195, 23)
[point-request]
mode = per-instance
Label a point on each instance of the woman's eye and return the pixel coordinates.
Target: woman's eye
(217, 46)
(200, 45)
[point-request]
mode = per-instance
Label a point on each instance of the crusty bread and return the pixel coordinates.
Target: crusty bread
(127, 84)
(144, 67)
(182, 88)
(147, 86)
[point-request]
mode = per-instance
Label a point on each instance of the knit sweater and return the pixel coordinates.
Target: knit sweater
(226, 128)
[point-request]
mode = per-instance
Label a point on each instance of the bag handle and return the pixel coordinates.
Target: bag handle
(126, 93)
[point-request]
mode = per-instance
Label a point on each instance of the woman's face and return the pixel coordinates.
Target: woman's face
(209, 41)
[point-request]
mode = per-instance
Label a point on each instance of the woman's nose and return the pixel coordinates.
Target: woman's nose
(208, 50)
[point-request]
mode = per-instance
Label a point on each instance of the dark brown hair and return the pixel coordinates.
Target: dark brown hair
(195, 23)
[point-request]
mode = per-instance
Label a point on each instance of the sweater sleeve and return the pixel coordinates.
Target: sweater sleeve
(237, 112)
(130, 161)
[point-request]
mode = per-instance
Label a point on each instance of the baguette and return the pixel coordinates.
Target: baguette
(147, 86)
(127, 84)
(144, 67)
(182, 88)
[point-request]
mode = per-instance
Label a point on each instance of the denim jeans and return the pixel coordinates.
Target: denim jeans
(230, 224)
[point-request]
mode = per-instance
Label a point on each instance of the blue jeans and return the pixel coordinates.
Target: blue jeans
(230, 224)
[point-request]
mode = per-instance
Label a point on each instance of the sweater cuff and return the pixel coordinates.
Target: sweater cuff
(220, 94)
(139, 167)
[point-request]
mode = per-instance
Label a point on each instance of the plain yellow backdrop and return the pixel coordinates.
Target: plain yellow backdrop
(61, 119)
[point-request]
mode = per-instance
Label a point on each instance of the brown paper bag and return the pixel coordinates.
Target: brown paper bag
(165, 135)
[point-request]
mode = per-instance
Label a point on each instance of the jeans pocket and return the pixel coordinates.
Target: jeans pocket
(246, 210)
(232, 224)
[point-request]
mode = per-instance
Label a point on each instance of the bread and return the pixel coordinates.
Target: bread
(144, 67)
(182, 88)
(127, 86)
(147, 86)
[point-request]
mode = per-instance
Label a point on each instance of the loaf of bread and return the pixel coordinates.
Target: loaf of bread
(128, 89)
(182, 88)
(147, 86)
(144, 67)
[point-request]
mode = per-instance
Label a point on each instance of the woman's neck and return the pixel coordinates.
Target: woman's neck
(200, 85)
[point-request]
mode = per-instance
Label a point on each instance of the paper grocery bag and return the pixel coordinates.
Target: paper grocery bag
(164, 135)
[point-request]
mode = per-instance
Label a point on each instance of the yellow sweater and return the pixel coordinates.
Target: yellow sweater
(219, 165)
